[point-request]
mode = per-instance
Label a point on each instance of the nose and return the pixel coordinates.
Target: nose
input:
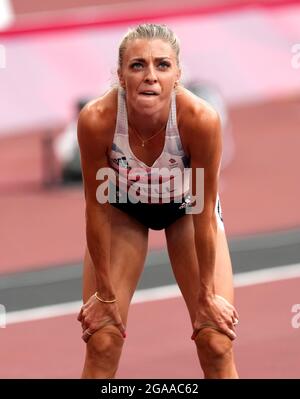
(150, 76)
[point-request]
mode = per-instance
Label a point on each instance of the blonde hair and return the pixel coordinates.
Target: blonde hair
(150, 32)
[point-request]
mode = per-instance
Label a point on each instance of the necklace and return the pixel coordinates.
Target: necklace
(149, 138)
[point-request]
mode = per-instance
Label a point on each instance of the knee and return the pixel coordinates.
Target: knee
(213, 346)
(105, 345)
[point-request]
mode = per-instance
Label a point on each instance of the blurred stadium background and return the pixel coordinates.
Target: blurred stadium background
(55, 56)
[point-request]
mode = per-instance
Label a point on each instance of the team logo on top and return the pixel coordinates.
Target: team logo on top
(122, 162)
(173, 163)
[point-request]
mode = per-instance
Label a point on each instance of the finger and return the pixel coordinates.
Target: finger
(122, 329)
(211, 325)
(231, 334)
(85, 326)
(79, 317)
(236, 315)
(195, 332)
(205, 324)
(86, 335)
(231, 323)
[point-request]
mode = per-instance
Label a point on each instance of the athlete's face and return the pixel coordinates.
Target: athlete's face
(148, 74)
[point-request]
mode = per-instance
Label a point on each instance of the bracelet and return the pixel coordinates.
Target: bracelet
(103, 300)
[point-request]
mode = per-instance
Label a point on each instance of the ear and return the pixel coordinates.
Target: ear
(121, 78)
(178, 76)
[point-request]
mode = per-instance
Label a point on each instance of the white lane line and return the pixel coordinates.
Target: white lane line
(154, 294)
(267, 275)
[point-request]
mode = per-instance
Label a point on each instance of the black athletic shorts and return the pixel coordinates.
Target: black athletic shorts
(154, 216)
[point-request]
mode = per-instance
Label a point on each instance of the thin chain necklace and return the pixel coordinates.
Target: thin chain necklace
(149, 138)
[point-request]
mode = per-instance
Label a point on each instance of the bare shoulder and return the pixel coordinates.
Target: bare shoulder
(195, 115)
(97, 120)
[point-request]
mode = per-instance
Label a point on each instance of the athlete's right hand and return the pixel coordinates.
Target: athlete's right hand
(95, 315)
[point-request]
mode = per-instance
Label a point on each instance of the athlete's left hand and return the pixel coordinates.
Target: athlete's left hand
(216, 312)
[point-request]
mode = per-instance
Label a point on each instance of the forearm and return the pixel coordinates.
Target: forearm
(98, 242)
(205, 243)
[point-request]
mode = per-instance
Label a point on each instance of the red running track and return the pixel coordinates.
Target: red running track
(158, 343)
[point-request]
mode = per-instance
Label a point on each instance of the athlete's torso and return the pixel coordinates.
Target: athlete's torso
(113, 137)
(172, 158)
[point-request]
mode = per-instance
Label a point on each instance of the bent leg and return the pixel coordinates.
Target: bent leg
(129, 240)
(214, 348)
(215, 354)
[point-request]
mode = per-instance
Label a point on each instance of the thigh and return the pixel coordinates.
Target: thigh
(129, 241)
(183, 257)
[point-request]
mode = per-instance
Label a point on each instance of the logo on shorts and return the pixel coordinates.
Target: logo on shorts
(187, 202)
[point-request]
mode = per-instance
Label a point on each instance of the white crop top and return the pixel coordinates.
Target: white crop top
(126, 164)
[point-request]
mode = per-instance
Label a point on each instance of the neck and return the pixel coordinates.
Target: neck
(146, 125)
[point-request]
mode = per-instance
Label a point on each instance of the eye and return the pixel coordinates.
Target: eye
(164, 65)
(136, 65)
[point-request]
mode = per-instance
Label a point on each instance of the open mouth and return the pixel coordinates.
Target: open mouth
(148, 93)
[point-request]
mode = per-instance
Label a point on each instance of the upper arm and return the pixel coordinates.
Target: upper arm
(206, 153)
(92, 139)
